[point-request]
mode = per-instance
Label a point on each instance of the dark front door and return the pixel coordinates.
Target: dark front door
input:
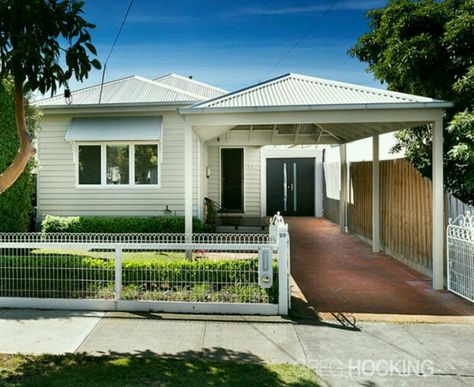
(232, 179)
(290, 186)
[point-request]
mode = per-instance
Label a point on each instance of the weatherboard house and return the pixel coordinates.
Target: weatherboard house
(136, 146)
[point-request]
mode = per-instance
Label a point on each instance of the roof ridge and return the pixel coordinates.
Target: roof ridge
(244, 90)
(172, 88)
(356, 87)
(190, 80)
(326, 82)
(87, 88)
(137, 77)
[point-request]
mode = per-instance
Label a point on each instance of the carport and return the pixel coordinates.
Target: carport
(295, 109)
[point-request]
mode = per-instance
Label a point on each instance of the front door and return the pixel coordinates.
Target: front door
(232, 179)
(290, 186)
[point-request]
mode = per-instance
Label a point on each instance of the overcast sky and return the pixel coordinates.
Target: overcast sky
(230, 44)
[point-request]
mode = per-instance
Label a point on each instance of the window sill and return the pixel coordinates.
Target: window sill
(118, 187)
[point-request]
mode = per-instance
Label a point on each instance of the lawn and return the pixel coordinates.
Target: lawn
(80, 370)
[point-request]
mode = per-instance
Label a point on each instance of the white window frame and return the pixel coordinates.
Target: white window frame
(103, 165)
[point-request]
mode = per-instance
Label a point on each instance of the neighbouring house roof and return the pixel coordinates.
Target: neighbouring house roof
(130, 90)
(191, 85)
(293, 91)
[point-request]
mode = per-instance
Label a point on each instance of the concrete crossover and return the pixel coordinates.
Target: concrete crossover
(370, 354)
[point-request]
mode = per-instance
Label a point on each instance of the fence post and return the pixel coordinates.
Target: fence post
(118, 273)
(283, 269)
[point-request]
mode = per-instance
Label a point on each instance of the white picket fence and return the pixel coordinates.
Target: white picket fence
(228, 273)
(460, 254)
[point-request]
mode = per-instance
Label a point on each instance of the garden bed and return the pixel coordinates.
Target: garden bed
(151, 276)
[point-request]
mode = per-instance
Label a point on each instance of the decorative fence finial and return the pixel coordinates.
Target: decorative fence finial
(277, 219)
(465, 220)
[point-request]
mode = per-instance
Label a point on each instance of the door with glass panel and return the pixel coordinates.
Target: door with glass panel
(290, 186)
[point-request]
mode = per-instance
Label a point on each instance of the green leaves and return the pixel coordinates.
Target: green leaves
(116, 224)
(91, 48)
(30, 50)
(426, 47)
(15, 202)
(96, 64)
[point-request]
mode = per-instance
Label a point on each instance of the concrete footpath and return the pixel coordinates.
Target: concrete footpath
(341, 355)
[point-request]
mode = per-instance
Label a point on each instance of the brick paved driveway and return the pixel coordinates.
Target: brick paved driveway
(337, 272)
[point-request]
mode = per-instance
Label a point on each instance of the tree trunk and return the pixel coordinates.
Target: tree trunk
(26, 150)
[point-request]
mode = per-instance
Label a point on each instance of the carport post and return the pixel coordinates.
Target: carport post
(188, 186)
(375, 194)
(438, 205)
(343, 187)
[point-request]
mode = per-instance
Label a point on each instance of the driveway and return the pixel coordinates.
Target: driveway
(338, 272)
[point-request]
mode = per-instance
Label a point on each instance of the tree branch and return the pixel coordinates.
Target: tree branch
(26, 150)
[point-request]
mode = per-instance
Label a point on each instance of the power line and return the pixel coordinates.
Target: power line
(310, 29)
(113, 46)
(119, 31)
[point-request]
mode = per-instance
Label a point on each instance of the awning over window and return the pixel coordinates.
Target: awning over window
(115, 129)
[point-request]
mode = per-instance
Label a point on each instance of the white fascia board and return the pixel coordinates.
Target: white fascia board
(314, 116)
(110, 108)
(369, 106)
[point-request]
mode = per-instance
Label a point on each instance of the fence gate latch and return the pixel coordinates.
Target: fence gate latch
(265, 268)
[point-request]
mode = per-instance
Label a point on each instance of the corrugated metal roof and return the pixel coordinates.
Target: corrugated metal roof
(301, 90)
(128, 90)
(191, 85)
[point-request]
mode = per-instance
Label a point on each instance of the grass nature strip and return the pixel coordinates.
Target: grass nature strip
(127, 370)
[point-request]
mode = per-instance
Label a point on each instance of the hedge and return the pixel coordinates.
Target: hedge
(16, 202)
(116, 224)
(74, 276)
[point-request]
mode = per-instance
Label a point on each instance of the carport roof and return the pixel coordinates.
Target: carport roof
(301, 92)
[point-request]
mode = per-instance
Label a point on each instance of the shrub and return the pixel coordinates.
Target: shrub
(116, 224)
(16, 201)
(75, 276)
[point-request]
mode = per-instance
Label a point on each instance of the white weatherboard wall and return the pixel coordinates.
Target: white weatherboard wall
(58, 194)
(251, 177)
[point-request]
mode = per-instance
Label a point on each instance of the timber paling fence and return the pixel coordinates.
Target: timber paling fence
(405, 208)
(226, 273)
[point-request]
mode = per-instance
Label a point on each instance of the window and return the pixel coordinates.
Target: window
(89, 164)
(146, 164)
(118, 164)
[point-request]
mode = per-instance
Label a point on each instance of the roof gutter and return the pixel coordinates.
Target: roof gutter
(112, 107)
(335, 107)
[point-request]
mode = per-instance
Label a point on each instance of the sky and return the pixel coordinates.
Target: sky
(230, 44)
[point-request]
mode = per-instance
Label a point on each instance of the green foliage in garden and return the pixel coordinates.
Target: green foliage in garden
(116, 224)
(426, 47)
(76, 276)
(16, 202)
